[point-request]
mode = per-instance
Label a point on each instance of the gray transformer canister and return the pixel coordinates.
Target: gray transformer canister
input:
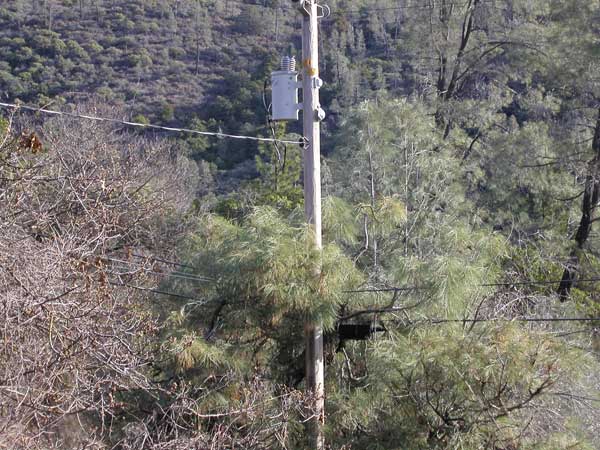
(284, 86)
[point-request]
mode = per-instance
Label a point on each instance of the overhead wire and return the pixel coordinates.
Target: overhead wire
(166, 261)
(563, 333)
(374, 289)
(435, 321)
(124, 261)
(541, 282)
(415, 5)
(388, 289)
(174, 274)
(581, 398)
(353, 14)
(419, 322)
(499, 284)
(144, 125)
(366, 13)
(155, 291)
(432, 321)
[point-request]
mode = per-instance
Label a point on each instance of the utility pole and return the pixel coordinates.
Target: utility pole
(284, 86)
(312, 115)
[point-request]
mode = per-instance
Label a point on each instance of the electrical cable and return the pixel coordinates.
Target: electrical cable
(575, 396)
(390, 289)
(162, 274)
(143, 125)
(269, 122)
(174, 274)
(352, 291)
(428, 5)
(424, 5)
(430, 321)
(516, 319)
(166, 261)
(501, 284)
(542, 282)
(199, 278)
(439, 321)
(155, 291)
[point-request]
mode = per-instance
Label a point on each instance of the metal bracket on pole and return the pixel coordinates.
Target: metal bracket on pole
(325, 11)
(303, 8)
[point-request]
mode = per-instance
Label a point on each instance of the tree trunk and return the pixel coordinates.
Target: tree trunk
(591, 195)
(446, 88)
(373, 201)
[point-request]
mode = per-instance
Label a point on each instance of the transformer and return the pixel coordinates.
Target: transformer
(284, 86)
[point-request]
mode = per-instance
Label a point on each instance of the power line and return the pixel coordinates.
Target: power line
(123, 261)
(144, 125)
(440, 321)
(366, 10)
(571, 333)
(357, 291)
(501, 284)
(390, 289)
(516, 319)
(166, 261)
(176, 264)
(155, 291)
(364, 13)
(576, 396)
(180, 275)
(174, 274)
(429, 321)
(352, 14)
(351, 291)
(542, 282)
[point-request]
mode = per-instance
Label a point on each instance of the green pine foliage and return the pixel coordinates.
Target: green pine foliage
(280, 169)
(261, 284)
(460, 168)
(447, 387)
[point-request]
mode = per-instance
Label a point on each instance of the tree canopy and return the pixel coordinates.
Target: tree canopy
(155, 285)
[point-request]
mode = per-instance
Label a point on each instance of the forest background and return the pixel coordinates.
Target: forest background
(154, 284)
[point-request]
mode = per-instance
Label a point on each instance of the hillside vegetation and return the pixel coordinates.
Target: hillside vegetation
(155, 284)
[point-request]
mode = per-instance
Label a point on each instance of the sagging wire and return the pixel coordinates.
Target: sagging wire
(218, 135)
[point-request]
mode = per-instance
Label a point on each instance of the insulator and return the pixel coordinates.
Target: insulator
(288, 64)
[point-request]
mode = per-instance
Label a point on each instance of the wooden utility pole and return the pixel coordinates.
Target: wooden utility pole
(315, 370)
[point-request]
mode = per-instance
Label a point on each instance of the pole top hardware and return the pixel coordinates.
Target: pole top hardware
(305, 7)
(323, 11)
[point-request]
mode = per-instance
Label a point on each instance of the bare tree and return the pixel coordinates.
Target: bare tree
(74, 197)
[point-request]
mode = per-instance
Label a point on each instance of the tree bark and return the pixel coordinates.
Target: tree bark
(591, 195)
(446, 89)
